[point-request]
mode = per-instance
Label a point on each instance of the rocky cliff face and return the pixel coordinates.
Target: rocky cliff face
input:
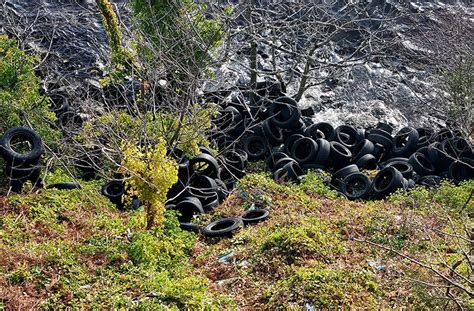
(71, 40)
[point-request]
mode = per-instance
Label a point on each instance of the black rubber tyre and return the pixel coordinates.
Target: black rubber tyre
(255, 216)
(339, 175)
(223, 227)
(440, 159)
(234, 160)
(356, 186)
(272, 133)
(405, 142)
(382, 140)
(273, 158)
(312, 167)
(222, 191)
(304, 150)
(70, 121)
(321, 130)
(421, 164)
(443, 134)
(426, 135)
(430, 181)
(381, 133)
(188, 207)
(282, 162)
(284, 116)
(204, 164)
(385, 127)
(135, 204)
(64, 186)
(324, 150)
(255, 146)
(21, 133)
(367, 162)
(291, 171)
(387, 181)
(206, 150)
(340, 155)
(349, 140)
(23, 173)
(187, 226)
(362, 148)
(114, 190)
(210, 203)
(288, 144)
(403, 167)
(202, 186)
(461, 170)
(462, 148)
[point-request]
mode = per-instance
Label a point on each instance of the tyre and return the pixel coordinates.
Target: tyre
(284, 116)
(381, 133)
(384, 141)
(324, 150)
(255, 216)
(272, 133)
(349, 140)
(403, 167)
(356, 186)
(320, 130)
(222, 191)
(282, 162)
(70, 121)
(288, 144)
(14, 140)
(385, 127)
(187, 226)
(291, 171)
(405, 142)
(204, 164)
(234, 160)
(304, 150)
(367, 162)
(223, 227)
(202, 186)
(210, 203)
(421, 164)
(426, 135)
(461, 170)
(23, 173)
(362, 148)
(339, 155)
(64, 186)
(430, 181)
(206, 150)
(339, 175)
(443, 134)
(189, 207)
(273, 158)
(255, 146)
(387, 181)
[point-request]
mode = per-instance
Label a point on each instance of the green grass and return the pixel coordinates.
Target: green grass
(73, 248)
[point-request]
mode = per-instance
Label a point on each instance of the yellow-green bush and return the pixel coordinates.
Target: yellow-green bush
(151, 174)
(20, 101)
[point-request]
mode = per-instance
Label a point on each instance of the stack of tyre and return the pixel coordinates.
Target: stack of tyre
(69, 121)
(203, 182)
(22, 149)
(275, 131)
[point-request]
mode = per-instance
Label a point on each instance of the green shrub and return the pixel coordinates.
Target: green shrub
(324, 288)
(20, 101)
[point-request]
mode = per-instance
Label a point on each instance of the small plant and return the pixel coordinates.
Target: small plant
(151, 174)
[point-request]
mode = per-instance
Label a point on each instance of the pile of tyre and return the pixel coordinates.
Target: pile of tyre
(274, 130)
(21, 148)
